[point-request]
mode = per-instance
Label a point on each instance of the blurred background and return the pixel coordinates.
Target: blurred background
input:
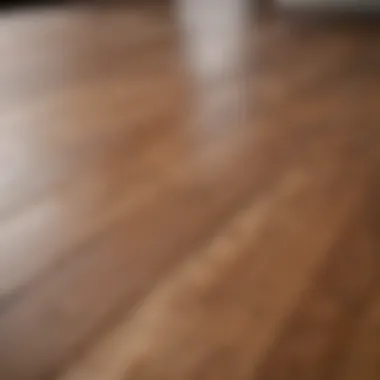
(189, 190)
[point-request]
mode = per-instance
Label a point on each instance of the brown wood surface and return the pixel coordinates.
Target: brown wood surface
(155, 229)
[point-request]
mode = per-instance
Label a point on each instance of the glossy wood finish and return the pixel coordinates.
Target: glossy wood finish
(167, 215)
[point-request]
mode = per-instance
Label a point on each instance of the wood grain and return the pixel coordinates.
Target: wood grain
(168, 214)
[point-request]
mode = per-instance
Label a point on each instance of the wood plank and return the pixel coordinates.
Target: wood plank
(217, 315)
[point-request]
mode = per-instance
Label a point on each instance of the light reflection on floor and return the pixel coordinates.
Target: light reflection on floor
(214, 52)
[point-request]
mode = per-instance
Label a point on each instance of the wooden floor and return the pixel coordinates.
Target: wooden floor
(170, 215)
